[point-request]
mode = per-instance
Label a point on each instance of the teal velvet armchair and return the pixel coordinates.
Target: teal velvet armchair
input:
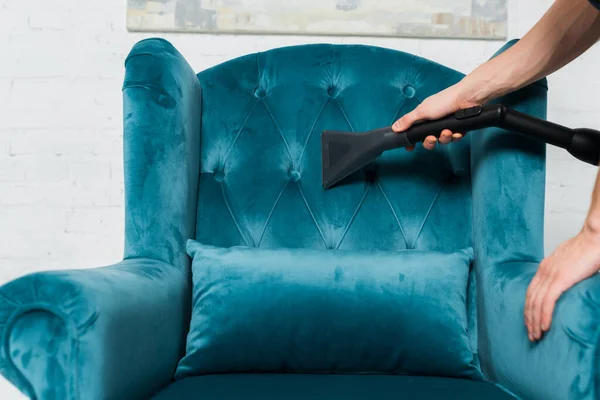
(230, 156)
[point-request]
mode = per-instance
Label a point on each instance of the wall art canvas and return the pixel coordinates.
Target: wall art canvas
(481, 19)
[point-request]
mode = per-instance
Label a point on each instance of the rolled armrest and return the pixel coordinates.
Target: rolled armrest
(565, 363)
(104, 333)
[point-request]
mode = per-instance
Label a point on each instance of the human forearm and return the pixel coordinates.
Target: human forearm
(567, 30)
(592, 221)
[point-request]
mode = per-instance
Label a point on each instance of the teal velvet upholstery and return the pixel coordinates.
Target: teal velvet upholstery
(119, 331)
(95, 333)
(330, 387)
(230, 156)
(328, 311)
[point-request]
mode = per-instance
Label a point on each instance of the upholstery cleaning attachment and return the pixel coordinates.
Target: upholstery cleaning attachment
(343, 153)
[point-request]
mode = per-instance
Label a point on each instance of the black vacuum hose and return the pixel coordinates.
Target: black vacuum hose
(345, 152)
(582, 143)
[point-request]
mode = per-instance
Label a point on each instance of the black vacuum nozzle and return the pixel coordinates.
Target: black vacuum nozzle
(344, 153)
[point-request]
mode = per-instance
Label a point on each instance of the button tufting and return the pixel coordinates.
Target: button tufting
(219, 176)
(408, 91)
(332, 91)
(260, 93)
(294, 175)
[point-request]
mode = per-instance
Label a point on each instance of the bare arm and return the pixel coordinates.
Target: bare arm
(567, 29)
(592, 220)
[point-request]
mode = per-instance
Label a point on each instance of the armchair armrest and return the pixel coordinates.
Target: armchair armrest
(508, 183)
(103, 333)
(563, 365)
(119, 331)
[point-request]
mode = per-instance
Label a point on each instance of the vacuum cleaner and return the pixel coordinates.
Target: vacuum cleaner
(344, 153)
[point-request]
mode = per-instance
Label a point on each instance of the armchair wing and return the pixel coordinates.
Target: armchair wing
(508, 181)
(118, 331)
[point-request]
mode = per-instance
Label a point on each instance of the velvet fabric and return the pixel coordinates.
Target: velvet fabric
(337, 311)
(564, 364)
(329, 387)
(102, 333)
(119, 331)
(508, 177)
(260, 168)
(230, 156)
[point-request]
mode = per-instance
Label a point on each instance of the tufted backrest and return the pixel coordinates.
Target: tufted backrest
(252, 127)
(260, 183)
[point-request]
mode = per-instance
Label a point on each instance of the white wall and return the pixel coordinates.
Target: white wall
(61, 172)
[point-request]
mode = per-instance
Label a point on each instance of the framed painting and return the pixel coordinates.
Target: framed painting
(477, 19)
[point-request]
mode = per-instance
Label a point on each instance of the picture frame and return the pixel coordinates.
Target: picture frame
(470, 19)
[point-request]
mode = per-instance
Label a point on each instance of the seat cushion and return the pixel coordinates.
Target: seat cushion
(328, 311)
(330, 387)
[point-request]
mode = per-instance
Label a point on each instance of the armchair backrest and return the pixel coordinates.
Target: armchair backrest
(231, 156)
(260, 161)
(260, 183)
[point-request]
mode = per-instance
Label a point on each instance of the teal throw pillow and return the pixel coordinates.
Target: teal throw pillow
(328, 311)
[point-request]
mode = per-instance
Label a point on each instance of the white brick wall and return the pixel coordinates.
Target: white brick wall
(61, 173)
